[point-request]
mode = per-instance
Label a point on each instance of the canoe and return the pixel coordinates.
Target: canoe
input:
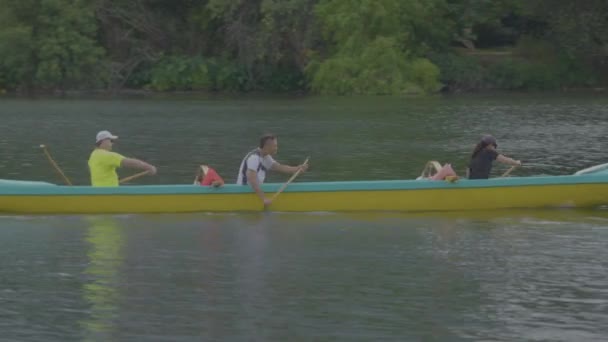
(586, 190)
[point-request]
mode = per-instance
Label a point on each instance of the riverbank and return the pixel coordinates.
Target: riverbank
(142, 93)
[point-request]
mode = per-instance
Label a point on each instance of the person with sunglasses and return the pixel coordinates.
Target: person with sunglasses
(484, 155)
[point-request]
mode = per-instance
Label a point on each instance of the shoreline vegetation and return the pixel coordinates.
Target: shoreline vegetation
(302, 47)
(144, 93)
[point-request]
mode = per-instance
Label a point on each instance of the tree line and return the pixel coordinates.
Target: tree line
(313, 46)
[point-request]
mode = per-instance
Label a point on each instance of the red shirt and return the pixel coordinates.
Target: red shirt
(211, 177)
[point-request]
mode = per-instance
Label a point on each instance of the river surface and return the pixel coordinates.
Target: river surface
(526, 275)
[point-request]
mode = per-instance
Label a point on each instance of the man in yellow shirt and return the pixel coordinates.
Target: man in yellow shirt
(103, 162)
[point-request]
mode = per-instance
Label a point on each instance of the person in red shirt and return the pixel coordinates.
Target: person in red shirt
(207, 176)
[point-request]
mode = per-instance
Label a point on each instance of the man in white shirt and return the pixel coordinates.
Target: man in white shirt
(257, 162)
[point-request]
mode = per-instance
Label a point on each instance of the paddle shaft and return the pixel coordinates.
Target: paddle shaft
(48, 155)
(130, 178)
(509, 170)
(289, 181)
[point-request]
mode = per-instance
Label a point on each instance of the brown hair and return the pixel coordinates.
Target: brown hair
(486, 140)
(264, 139)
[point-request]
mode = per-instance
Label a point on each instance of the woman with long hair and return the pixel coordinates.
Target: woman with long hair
(484, 155)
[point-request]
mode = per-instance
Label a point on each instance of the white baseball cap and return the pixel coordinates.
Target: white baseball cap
(103, 135)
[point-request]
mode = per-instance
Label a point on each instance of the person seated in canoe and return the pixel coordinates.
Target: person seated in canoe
(256, 163)
(103, 162)
(434, 171)
(207, 176)
(484, 155)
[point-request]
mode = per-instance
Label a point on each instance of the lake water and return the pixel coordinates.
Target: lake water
(526, 275)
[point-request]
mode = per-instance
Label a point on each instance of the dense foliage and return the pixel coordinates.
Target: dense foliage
(318, 46)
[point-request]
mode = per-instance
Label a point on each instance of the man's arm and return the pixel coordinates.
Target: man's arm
(288, 169)
(138, 164)
(252, 180)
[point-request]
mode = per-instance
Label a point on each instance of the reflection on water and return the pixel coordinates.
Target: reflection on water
(258, 275)
(107, 241)
(549, 216)
(468, 276)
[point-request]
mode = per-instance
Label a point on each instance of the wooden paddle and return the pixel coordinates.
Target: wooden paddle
(130, 178)
(289, 181)
(48, 155)
(509, 171)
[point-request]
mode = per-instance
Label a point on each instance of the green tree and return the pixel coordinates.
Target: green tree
(579, 28)
(50, 44)
(376, 48)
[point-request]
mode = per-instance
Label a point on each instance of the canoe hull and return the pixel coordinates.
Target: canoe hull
(409, 196)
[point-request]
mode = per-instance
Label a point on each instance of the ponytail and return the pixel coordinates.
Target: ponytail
(480, 146)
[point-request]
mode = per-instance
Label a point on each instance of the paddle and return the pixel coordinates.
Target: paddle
(130, 178)
(289, 181)
(48, 155)
(509, 171)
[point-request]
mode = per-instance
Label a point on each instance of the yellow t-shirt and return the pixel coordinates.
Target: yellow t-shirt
(102, 166)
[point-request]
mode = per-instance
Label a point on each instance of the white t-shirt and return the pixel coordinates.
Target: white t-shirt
(255, 162)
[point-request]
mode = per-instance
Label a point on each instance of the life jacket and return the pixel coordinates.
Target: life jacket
(244, 164)
(208, 177)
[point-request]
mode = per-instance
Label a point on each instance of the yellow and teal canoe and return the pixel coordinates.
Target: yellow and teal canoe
(584, 190)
